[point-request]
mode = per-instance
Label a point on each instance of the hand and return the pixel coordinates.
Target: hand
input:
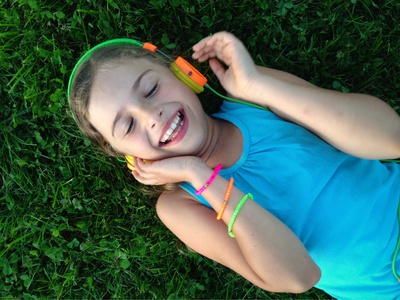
(238, 78)
(169, 170)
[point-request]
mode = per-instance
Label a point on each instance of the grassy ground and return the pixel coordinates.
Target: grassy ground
(72, 222)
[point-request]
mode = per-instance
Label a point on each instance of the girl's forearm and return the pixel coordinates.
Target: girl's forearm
(270, 248)
(361, 125)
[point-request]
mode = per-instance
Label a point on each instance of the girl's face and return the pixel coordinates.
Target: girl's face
(143, 110)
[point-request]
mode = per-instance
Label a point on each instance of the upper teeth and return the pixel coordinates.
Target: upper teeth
(177, 122)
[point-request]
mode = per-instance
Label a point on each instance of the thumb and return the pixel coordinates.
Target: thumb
(217, 68)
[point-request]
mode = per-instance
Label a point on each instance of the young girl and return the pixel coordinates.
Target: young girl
(290, 197)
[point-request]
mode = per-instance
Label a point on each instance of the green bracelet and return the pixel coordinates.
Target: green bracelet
(236, 212)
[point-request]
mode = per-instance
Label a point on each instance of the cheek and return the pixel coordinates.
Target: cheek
(135, 145)
(173, 86)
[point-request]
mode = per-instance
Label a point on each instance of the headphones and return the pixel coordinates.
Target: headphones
(182, 69)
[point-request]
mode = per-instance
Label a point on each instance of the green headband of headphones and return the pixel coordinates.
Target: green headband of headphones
(180, 67)
(88, 54)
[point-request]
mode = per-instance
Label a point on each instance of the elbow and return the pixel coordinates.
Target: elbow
(306, 282)
(394, 154)
(396, 145)
(295, 283)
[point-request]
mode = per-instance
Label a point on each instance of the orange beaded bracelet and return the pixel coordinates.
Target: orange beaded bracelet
(226, 199)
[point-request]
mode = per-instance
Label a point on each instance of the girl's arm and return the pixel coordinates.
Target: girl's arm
(358, 124)
(264, 250)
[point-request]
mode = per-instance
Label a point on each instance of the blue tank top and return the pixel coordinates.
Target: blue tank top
(342, 208)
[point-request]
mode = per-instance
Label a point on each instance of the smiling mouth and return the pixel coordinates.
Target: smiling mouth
(173, 129)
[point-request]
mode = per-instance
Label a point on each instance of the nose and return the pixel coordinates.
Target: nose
(151, 116)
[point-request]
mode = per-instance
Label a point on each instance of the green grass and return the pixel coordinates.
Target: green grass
(72, 222)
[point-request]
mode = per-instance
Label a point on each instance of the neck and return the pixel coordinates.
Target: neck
(228, 146)
(216, 132)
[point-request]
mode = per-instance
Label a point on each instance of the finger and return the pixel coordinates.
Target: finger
(209, 40)
(147, 180)
(134, 174)
(221, 39)
(205, 56)
(138, 164)
(143, 178)
(223, 51)
(199, 45)
(212, 44)
(137, 176)
(217, 68)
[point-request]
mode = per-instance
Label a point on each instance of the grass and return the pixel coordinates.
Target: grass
(73, 224)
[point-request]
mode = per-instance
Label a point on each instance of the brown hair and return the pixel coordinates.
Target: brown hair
(82, 84)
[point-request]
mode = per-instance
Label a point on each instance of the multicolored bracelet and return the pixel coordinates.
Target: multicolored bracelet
(236, 212)
(211, 179)
(226, 199)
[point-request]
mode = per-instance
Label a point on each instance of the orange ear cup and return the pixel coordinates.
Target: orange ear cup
(191, 71)
(188, 74)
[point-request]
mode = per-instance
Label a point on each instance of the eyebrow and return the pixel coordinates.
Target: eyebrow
(135, 86)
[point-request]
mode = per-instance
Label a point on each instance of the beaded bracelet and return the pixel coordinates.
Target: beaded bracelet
(236, 212)
(214, 174)
(226, 198)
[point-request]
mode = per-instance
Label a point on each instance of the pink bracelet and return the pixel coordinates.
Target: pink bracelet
(216, 171)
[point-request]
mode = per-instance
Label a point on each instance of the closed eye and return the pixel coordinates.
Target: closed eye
(152, 91)
(130, 127)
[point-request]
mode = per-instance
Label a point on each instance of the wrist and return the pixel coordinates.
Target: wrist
(253, 84)
(200, 175)
(210, 180)
(195, 170)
